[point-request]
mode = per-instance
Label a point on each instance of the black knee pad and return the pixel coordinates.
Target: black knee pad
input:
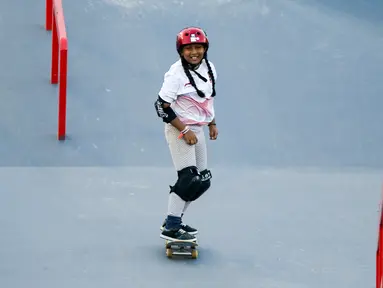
(188, 183)
(205, 184)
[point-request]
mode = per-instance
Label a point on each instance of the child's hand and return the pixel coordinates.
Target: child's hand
(213, 132)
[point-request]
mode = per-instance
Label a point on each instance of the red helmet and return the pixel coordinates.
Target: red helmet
(191, 35)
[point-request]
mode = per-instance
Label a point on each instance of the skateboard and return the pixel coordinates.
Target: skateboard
(180, 247)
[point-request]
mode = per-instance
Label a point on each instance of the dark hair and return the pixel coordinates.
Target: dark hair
(187, 67)
(210, 71)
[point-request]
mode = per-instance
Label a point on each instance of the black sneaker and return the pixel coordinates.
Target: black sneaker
(187, 228)
(180, 234)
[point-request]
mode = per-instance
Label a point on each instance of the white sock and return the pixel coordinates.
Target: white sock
(186, 207)
(175, 205)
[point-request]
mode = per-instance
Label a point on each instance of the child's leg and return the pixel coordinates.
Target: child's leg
(183, 155)
(200, 153)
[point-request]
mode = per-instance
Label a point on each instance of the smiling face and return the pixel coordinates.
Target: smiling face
(193, 53)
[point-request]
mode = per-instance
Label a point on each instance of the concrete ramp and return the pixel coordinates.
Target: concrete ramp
(297, 168)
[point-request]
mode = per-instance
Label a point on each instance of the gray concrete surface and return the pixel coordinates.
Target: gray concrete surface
(297, 169)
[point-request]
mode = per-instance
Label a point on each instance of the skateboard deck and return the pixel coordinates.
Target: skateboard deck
(180, 247)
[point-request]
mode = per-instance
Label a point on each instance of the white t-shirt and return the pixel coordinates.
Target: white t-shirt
(176, 89)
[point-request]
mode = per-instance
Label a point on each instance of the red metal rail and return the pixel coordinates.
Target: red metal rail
(55, 21)
(379, 251)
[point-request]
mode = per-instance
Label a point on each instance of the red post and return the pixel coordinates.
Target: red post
(48, 14)
(379, 252)
(378, 264)
(62, 89)
(55, 20)
(379, 261)
(55, 53)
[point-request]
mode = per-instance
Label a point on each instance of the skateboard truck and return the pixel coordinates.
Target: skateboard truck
(179, 247)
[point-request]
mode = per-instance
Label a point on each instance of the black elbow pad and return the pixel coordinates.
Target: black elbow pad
(167, 114)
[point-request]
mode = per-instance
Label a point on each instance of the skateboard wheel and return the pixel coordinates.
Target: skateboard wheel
(194, 254)
(169, 253)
